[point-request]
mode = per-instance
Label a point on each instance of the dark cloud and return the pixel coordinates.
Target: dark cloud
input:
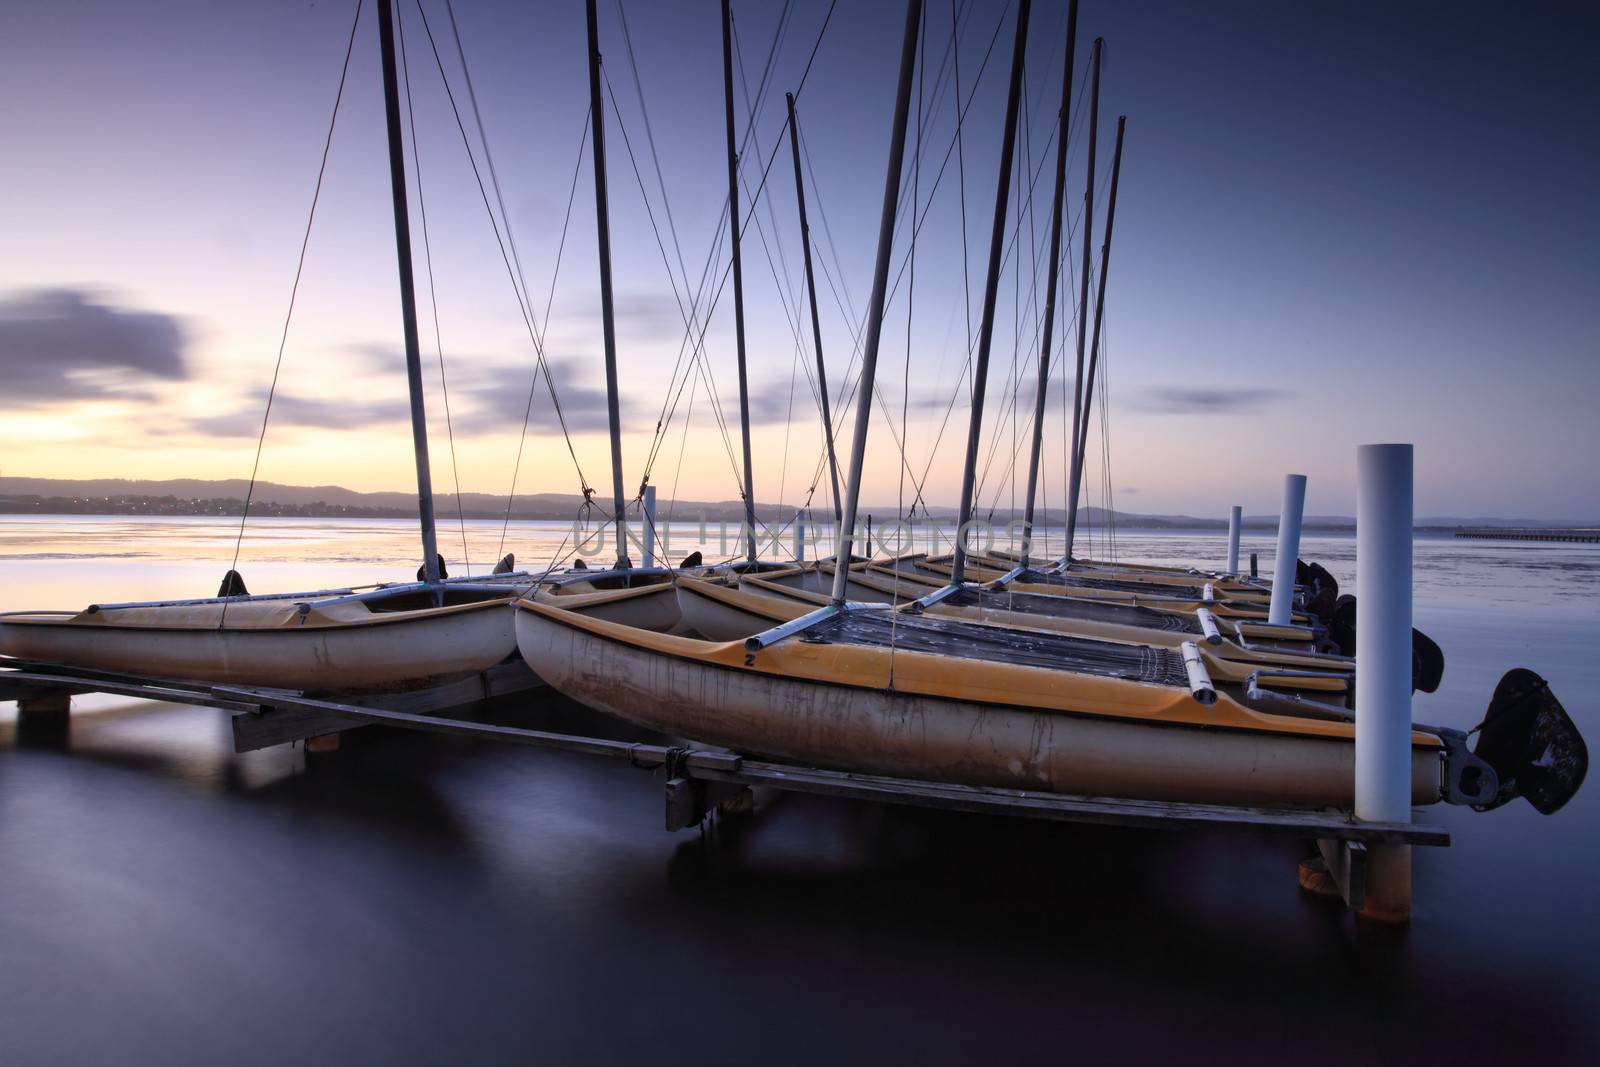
(342, 413)
(378, 358)
(770, 403)
(499, 399)
(651, 314)
(1181, 400)
(493, 401)
(67, 344)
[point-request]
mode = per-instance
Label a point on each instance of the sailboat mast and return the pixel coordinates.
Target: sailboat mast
(1083, 297)
(1099, 312)
(738, 281)
(602, 215)
(1065, 120)
(991, 286)
(811, 294)
(408, 293)
(880, 285)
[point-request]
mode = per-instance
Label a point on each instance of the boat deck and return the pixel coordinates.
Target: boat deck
(1067, 608)
(1029, 648)
(1168, 592)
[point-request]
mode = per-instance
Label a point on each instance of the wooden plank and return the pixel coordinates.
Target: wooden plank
(685, 803)
(1108, 811)
(282, 724)
(143, 690)
(1347, 865)
(73, 675)
(269, 727)
(641, 754)
(12, 688)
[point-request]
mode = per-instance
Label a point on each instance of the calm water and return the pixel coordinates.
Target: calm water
(163, 900)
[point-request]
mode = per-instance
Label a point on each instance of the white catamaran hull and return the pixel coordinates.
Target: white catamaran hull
(873, 730)
(373, 653)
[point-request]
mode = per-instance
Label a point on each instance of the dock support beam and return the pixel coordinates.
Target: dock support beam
(1235, 517)
(1280, 611)
(1383, 683)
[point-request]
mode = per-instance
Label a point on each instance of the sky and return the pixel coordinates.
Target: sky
(1336, 224)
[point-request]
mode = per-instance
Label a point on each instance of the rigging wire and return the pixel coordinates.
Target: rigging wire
(688, 315)
(433, 296)
(848, 386)
(294, 292)
(911, 288)
(501, 241)
(533, 385)
(755, 201)
(1109, 500)
(961, 170)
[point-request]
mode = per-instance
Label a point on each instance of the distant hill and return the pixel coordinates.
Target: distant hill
(194, 496)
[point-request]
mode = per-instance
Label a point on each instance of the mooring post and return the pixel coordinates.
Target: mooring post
(647, 552)
(1235, 517)
(1280, 611)
(800, 537)
(1383, 682)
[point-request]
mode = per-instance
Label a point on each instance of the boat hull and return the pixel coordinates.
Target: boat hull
(706, 696)
(377, 653)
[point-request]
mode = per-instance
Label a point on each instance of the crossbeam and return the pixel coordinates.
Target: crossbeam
(261, 714)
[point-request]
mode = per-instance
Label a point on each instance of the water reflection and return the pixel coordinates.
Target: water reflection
(429, 899)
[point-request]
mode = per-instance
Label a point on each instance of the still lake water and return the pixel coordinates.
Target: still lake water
(417, 899)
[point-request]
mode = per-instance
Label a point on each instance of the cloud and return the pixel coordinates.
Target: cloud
(649, 314)
(343, 413)
(494, 401)
(68, 344)
(770, 403)
(375, 357)
(500, 402)
(1190, 400)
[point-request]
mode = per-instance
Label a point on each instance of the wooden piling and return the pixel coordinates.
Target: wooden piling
(44, 704)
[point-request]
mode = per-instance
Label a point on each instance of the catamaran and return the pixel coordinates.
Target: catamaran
(337, 639)
(878, 688)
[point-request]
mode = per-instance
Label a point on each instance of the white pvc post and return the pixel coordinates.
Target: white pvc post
(648, 553)
(1383, 673)
(1383, 633)
(1279, 612)
(800, 536)
(1235, 517)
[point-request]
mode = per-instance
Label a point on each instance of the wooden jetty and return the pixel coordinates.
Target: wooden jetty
(1587, 535)
(698, 780)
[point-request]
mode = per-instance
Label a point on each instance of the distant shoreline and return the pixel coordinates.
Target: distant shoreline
(168, 507)
(197, 497)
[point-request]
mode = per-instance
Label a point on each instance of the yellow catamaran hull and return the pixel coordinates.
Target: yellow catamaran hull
(922, 715)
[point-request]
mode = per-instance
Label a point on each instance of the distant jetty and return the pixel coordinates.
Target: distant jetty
(1587, 534)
